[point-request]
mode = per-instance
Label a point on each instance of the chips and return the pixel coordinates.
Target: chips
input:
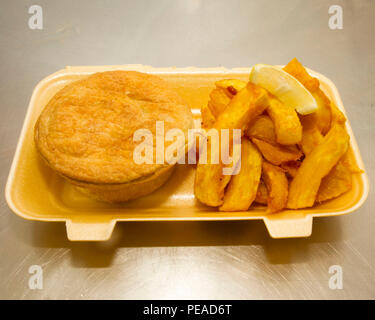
(323, 113)
(291, 168)
(349, 162)
(317, 164)
(339, 179)
(245, 106)
(242, 188)
(337, 182)
(208, 119)
(232, 86)
(297, 70)
(288, 160)
(337, 115)
(262, 128)
(277, 154)
(262, 193)
(209, 179)
(311, 135)
(287, 125)
(218, 101)
(277, 187)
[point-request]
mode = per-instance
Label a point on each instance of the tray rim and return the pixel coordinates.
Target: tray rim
(268, 220)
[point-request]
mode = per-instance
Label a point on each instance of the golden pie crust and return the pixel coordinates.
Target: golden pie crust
(85, 132)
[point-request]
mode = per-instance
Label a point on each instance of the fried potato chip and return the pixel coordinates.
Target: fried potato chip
(298, 71)
(311, 135)
(245, 106)
(208, 119)
(337, 115)
(339, 180)
(262, 128)
(277, 154)
(262, 193)
(348, 160)
(231, 85)
(317, 164)
(243, 186)
(291, 168)
(335, 183)
(209, 179)
(277, 187)
(288, 128)
(218, 101)
(323, 113)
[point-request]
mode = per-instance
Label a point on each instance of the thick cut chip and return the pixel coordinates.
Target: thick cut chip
(208, 119)
(349, 161)
(277, 154)
(291, 168)
(337, 182)
(218, 101)
(339, 179)
(262, 193)
(231, 85)
(317, 164)
(209, 179)
(277, 187)
(288, 128)
(243, 186)
(244, 107)
(311, 135)
(337, 115)
(323, 112)
(262, 128)
(298, 71)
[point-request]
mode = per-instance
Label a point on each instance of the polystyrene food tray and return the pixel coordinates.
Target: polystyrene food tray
(36, 192)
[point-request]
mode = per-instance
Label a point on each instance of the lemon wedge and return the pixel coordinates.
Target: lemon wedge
(284, 87)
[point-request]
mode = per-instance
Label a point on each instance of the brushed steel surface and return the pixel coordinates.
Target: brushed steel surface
(213, 260)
